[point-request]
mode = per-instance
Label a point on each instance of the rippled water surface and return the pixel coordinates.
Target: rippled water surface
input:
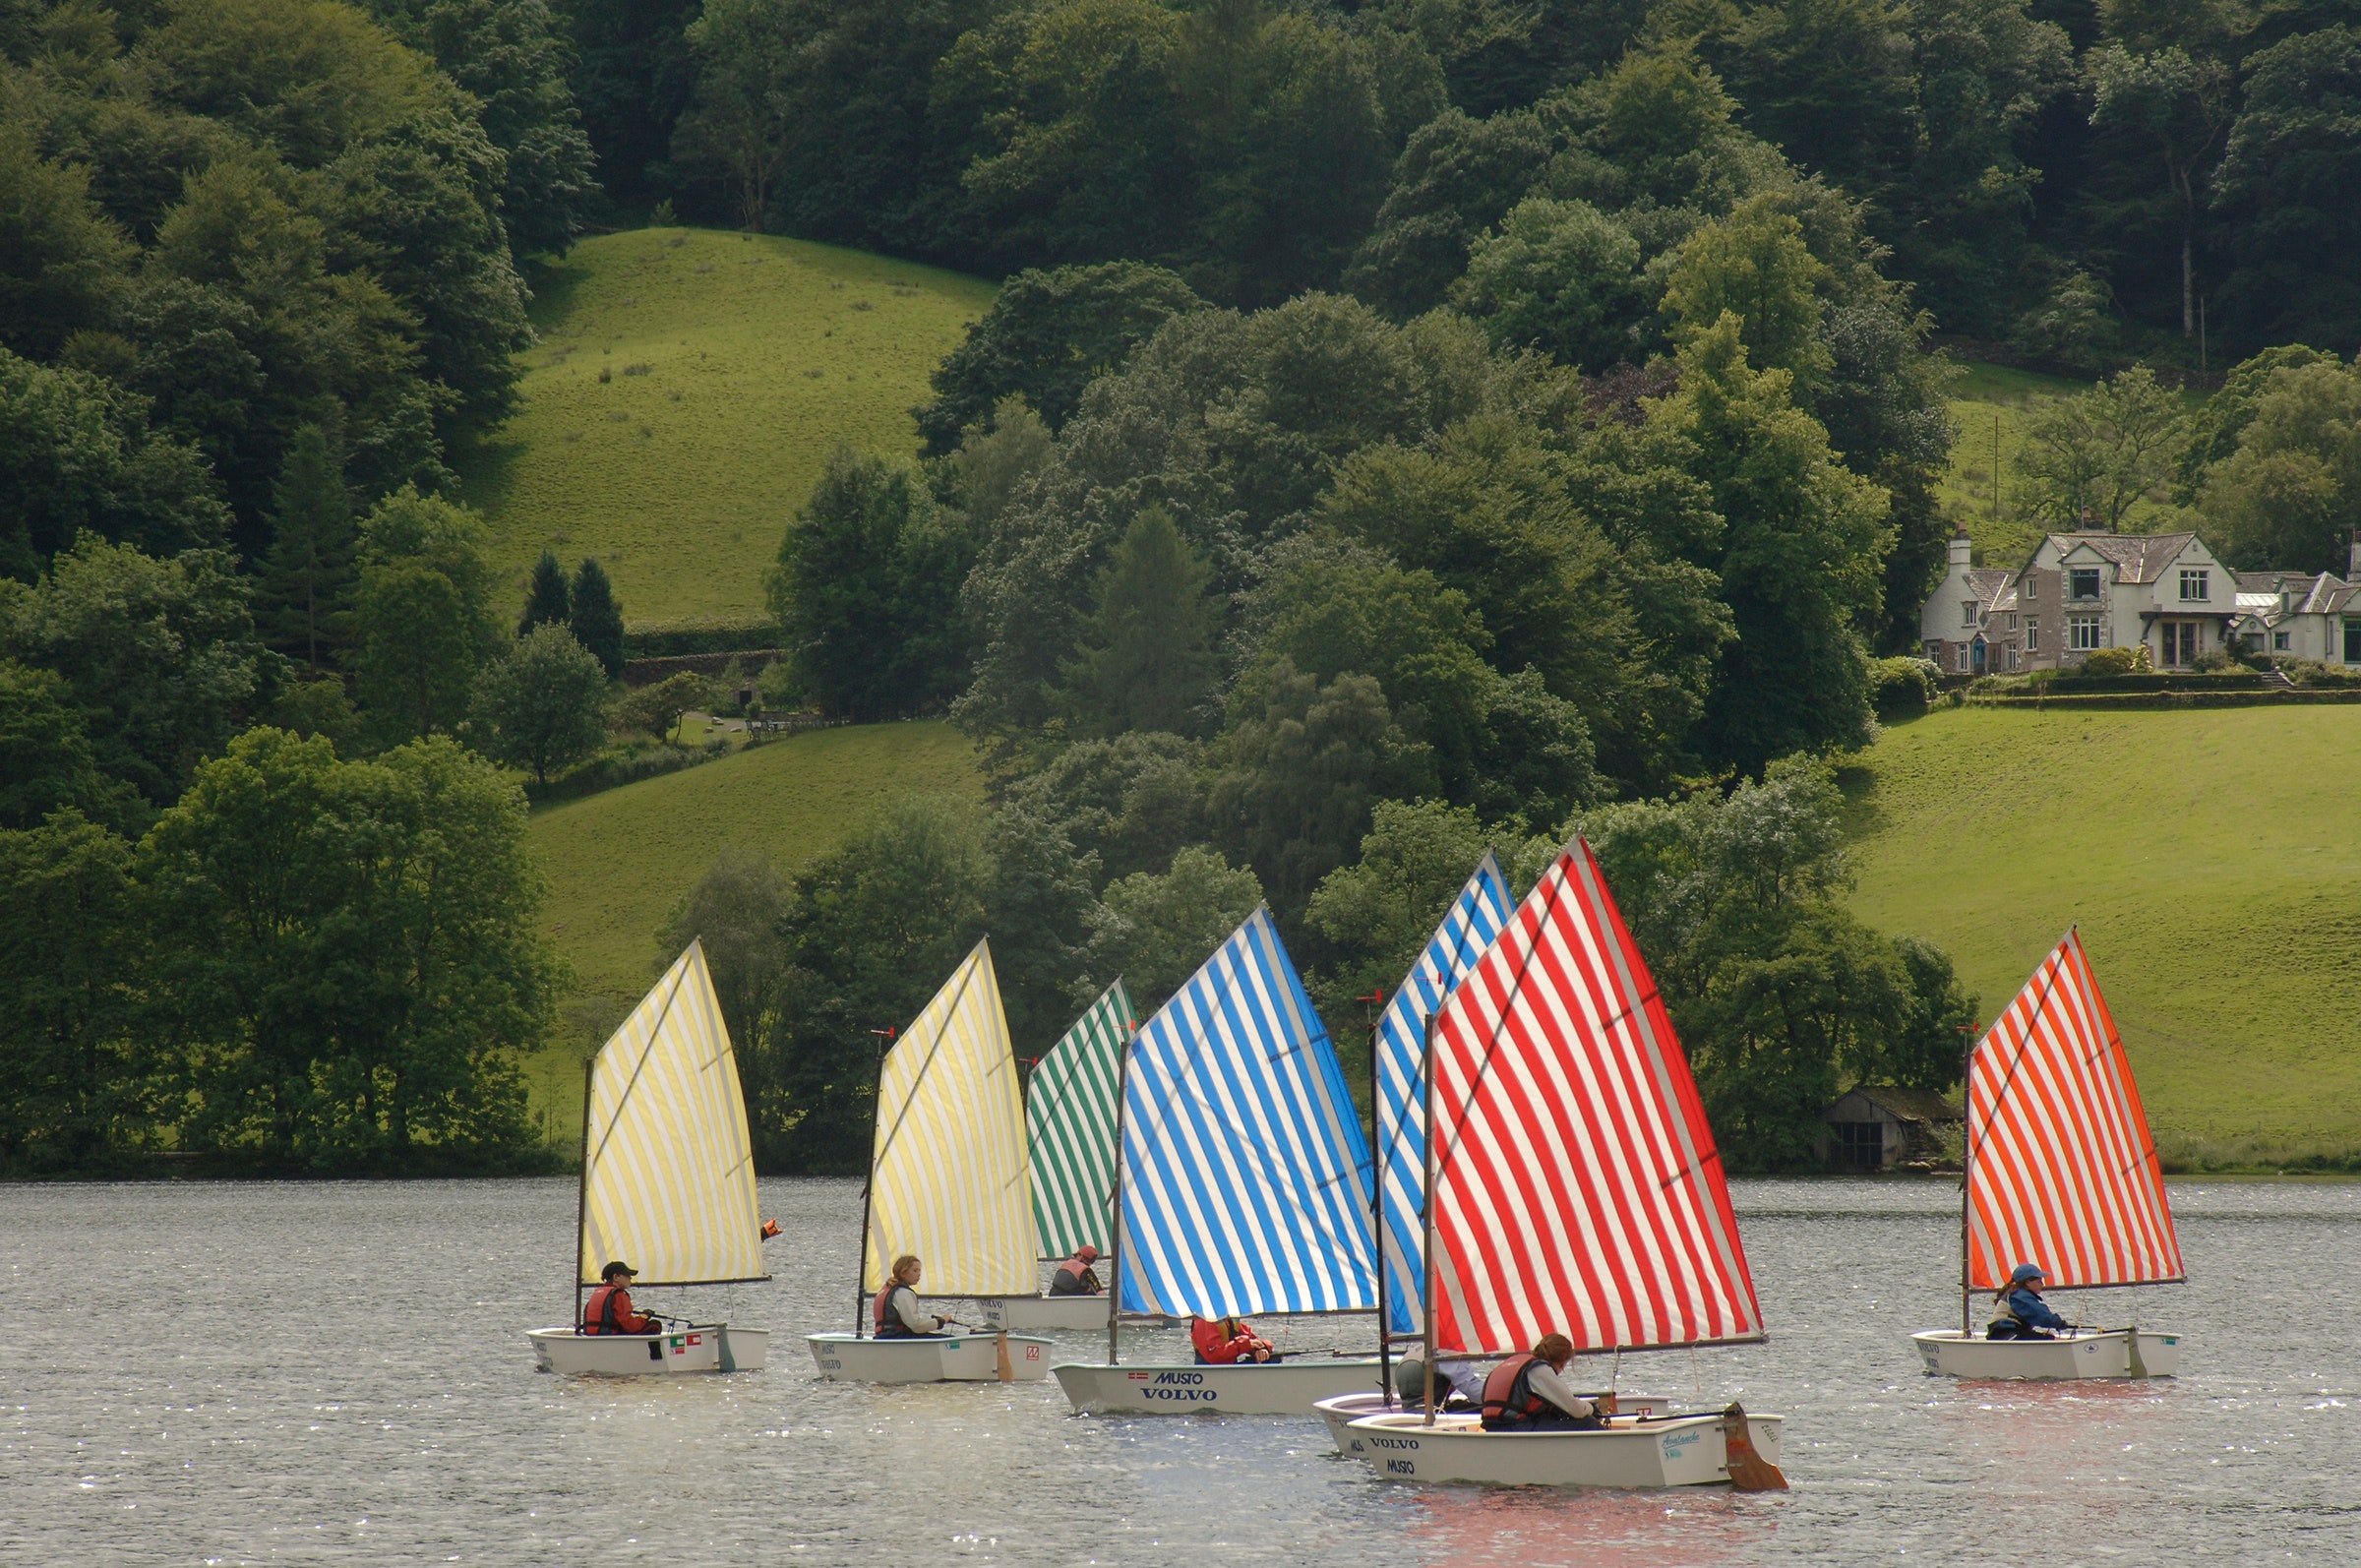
(336, 1373)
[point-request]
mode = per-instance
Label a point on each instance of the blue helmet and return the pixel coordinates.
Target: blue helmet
(2027, 1271)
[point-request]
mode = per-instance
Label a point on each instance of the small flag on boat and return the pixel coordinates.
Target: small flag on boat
(2062, 1170)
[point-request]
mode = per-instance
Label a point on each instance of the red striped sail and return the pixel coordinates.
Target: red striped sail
(2061, 1169)
(1575, 1186)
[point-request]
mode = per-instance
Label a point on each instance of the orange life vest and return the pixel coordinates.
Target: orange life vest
(883, 1323)
(1508, 1395)
(1214, 1347)
(602, 1316)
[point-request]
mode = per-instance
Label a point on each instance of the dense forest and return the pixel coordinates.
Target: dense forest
(1402, 431)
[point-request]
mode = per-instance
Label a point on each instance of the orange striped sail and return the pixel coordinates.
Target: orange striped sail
(2061, 1169)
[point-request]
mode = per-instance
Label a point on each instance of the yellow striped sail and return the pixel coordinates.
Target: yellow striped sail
(668, 1169)
(950, 1180)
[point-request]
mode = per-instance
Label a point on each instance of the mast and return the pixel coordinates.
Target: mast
(1385, 1339)
(1966, 1172)
(860, 1258)
(581, 1188)
(1426, 1204)
(1115, 1285)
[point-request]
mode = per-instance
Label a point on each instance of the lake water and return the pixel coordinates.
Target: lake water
(336, 1373)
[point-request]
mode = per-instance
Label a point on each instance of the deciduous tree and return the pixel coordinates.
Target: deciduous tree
(542, 704)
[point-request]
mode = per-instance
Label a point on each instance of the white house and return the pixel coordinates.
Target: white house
(2080, 591)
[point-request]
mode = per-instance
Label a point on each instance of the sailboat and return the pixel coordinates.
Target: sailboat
(667, 1181)
(1242, 1186)
(948, 1181)
(2061, 1172)
(1572, 1186)
(1070, 1129)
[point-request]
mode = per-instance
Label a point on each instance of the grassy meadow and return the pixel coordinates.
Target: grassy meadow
(2211, 858)
(617, 861)
(732, 365)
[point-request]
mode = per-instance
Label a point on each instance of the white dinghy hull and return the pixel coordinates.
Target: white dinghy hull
(2095, 1354)
(1345, 1409)
(691, 1350)
(1289, 1388)
(1046, 1314)
(960, 1359)
(1682, 1451)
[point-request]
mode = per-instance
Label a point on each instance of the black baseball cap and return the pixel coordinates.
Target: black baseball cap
(613, 1268)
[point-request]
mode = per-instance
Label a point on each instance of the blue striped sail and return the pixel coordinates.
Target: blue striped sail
(1245, 1177)
(1469, 926)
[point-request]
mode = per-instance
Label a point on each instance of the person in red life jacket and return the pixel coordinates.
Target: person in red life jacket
(1230, 1342)
(894, 1315)
(609, 1309)
(1527, 1394)
(1076, 1277)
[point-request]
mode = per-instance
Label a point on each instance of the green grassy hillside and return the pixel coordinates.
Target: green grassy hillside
(734, 365)
(2213, 861)
(617, 861)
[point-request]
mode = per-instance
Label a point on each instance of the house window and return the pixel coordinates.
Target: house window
(2352, 642)
(2012, 623)
(1962, 658)
(2082, 631)
(2032, 634)
(2081, 583)
(2193, 584)
(1967, 613)
(2279, 642)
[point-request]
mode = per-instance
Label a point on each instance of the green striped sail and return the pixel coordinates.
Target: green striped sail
(1069, 1120)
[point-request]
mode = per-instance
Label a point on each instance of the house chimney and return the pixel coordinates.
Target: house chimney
(1963, 550)
(2352, 557)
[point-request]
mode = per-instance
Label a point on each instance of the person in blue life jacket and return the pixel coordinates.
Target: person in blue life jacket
(1527, 1394)
(2019, 1313)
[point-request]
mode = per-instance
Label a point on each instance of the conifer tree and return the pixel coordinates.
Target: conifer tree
(308, 578)
(596, 619)
(546, 600)
(1147, 659)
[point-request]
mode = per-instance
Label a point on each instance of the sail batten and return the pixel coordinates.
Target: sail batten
(948, 1179)
(1465, 930)
(668, 1180)
(2061, 1168)
(1245, 1177)
(1576, 1187)
(1070, 1123)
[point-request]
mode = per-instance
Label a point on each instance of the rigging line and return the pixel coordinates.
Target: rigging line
(638, 1068)
(968, 973)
